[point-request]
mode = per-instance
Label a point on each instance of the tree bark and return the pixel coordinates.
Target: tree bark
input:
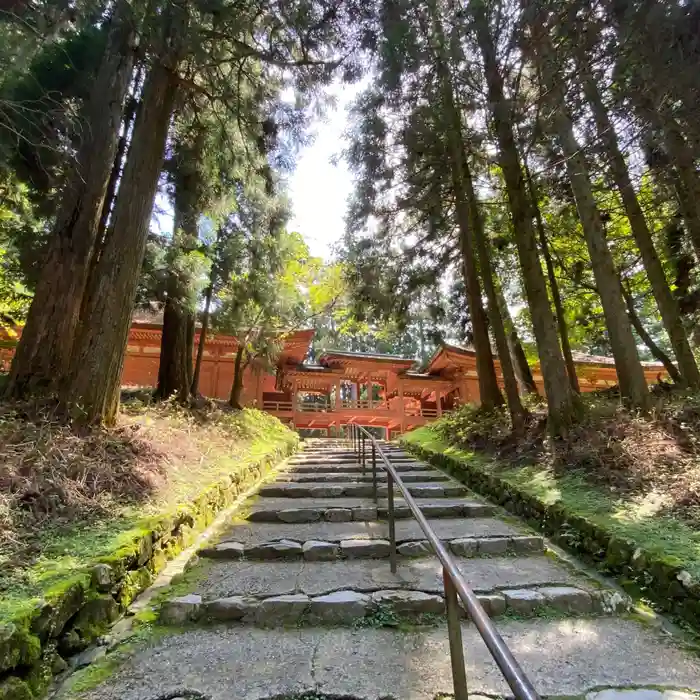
(489, 392)
(687, 181)
(190, 348)
(99, 351)
(518, 414)
(237, 386)
(202, 339)
(46, 345)
(110, 195)
(563, 403)
(177, 345)
(517, 354)
(173, 379)
(668, 307)
(654, 349)
(630, 374)
(553, 284)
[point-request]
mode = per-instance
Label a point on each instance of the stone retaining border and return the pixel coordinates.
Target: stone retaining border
(375, 548)
(65, 624)
(350, 606)
(663, 578)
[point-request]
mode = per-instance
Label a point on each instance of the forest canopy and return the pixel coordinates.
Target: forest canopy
(525, 182)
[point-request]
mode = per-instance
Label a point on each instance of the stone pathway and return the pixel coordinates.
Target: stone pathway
(299, 597)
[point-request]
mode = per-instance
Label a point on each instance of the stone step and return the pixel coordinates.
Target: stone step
(344, 477)
(350, 490)
(351, 458)
(350, 607)
(354, 468)
(313, 578)
(375, 548)
(306, 510)
(571, 658)
(406, 530)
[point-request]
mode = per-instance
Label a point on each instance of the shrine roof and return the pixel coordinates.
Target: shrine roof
(450, 354)
(331, 355)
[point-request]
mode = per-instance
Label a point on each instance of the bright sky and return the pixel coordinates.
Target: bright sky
(318, 189)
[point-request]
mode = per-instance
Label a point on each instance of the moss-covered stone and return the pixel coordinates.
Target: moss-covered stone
(15, 689)
(96, 616)
(62, 605)
(78, 609)
(133, 583)
(661, 576)
(18, 647)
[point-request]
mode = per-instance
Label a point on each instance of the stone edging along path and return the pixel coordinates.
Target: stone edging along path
(91, 600)
(669, 585)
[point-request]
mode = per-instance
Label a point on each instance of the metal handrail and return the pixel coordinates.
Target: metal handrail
(454, 584)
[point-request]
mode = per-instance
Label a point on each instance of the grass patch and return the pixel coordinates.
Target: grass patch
(663, 535)
(385, 616)
(73, 497)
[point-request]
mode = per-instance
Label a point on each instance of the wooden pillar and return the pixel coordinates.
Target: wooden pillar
(438, 402)
(338, 400)
(402, 408)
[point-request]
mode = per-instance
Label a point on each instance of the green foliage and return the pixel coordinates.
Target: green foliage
(471, 425)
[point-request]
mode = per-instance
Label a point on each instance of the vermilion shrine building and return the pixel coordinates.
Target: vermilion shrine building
(382, 391)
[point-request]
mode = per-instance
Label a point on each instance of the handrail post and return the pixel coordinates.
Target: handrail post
(362, 438)
(392, 522)
(454, 634)
(455, 587)
(374, 470)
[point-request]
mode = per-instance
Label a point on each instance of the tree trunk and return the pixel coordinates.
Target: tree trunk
(654, 349)
(132, 103)
(178, 378)
(688, 181)
(173, 379)
(237, 386)
(489, 392)
(553, 284)
(99, 351)
(630, 374)
(517, 354)
(190, 347)
(563, 403)
(46, 345)
(202, 339)
(668, 307)
(517, 412)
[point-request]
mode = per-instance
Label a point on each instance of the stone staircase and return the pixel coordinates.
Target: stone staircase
(323, 549)
(297, 597)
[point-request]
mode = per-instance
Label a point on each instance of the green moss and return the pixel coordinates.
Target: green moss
(97, 673)
(17, 646)
(38, 603)
(664, 537)
(650, 552)
(15, 689)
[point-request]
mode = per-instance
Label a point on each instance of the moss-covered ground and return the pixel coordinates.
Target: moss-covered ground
(622, 514)
(70, 499)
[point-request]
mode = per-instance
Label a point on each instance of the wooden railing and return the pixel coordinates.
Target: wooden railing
(314, 407)
(277, 406)
(421, 412)
(365, 403)
(362, 404)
